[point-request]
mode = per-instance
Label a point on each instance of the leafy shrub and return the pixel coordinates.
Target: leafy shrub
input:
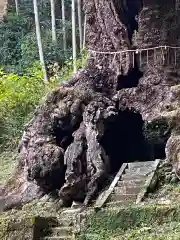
(19, 95)
(67, 70)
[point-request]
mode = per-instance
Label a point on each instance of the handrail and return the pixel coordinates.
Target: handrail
(148, 182)
(104, 195)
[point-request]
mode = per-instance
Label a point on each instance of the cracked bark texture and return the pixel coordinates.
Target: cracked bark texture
(60, 148)
(156, 96)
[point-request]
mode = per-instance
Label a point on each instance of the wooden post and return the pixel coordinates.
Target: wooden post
(175, 57)
(140, 59)
(147, 58)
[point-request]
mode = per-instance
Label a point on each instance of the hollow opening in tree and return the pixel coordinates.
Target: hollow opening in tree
(124, 141)
(157, 134)
(130, 80)
(63, 130)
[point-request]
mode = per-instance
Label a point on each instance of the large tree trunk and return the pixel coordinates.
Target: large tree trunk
(61, 148)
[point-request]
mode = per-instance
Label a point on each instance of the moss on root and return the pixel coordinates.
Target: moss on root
(8, 161)
(17, 228)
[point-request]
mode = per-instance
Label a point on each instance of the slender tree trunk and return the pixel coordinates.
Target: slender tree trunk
(53, 22)
(39, 42)
(64, 25)
(74, 34)
(17, 7)
(80, 25)
(84, 37)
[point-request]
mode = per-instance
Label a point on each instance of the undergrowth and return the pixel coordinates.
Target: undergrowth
(134, 223)
(19, 96)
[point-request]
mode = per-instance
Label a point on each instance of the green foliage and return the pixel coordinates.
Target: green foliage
(167, 231)
(18, 44)
(8, 161)
(130, 223)
(67, 70)
(19, 95)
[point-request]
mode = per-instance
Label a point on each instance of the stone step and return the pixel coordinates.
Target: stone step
(65, 222)
(132, 183)
(138, 172)
(122, 197)
(140, 164)
(61, 222)
(140, 169)
(119, 203)
(59, 238)
(133, 177)
(127, 190)
(61, 231)
(70, 213)
(134, 174)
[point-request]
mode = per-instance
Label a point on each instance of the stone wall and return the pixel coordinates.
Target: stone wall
(21, 228)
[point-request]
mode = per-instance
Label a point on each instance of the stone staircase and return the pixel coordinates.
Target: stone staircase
(129, 186)
(63, 228)
(67, 224)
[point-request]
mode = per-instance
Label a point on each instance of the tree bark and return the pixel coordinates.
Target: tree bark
(61, 147)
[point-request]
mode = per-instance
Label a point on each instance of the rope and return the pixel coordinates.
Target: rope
(134, 50)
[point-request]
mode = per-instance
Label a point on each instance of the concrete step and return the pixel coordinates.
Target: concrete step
(122, 197)
(119, 203)
(140, 164)
(59, 238)
(134, 174)
(132, 183)
(140, 169)
(127, 190)
(61, 231)
(133, 177)
(61, 222)
(69, 213)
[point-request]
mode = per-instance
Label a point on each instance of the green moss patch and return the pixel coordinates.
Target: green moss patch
(109, 224)
(7, 165)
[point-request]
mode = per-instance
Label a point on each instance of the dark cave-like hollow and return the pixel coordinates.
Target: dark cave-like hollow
(64, 129)
(124, 141)
(130, 80)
